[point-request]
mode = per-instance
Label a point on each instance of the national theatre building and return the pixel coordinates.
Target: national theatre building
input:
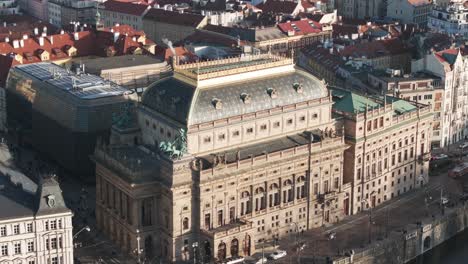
(219, 157)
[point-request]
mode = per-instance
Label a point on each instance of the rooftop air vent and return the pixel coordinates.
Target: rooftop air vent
(272, 92)
(298, 87)
(245, 98)
(217, 103)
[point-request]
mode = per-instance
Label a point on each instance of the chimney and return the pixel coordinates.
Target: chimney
(116, 36)
(112, 30)
(41, 41)
(62, 32)
(82, 29)
(44, 34)
(4, 24)
(36, 31)
(25, 36)
(51, 39)
(76, 35)
(7, 39)
(22, 43)
(117, 24)
(44, 29)
(15, 44)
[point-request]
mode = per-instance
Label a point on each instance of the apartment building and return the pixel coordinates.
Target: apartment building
(389, 151)
(418, 87)
(35, 224)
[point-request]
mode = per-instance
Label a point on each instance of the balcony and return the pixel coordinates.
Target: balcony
(425, 157)
(237, 226)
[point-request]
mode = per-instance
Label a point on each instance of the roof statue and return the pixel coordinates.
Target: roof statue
(124, 118)
(177, 148)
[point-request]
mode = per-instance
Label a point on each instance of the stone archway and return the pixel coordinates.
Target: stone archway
(221, 251)
(427, 243)
(234, 247)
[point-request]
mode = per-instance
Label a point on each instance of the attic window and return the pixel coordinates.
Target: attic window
(245, 98)
(217, 103)
(272, 92)
(298, 87)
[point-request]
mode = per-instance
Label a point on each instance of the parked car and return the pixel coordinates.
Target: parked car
(439, 157)
(235, 260)
(463, 145)
(278, 254)
(444, 200)
(262, 260)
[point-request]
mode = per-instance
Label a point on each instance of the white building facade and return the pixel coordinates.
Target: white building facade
(452, 19)
(452, 68)
(37, 227)
(410, 11)
(9, 7)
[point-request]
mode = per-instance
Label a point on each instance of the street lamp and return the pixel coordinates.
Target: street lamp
(87, 228)
(139, 250)
(195, 246)
(366, 201)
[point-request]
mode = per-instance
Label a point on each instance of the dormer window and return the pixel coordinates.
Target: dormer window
(272, 92)
(217, 103)
(298, 87)
(245, 98)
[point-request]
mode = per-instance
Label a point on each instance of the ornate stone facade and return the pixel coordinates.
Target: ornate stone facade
(262, 158)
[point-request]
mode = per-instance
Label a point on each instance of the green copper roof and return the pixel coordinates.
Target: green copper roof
(347, 101)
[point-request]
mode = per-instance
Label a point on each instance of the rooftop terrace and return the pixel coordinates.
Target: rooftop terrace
(81, 85)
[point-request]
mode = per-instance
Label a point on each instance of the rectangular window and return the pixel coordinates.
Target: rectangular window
(18, 248)
(289, 121)
(3, 231)
(16, 230)
(220, 217)
(249, 130)
(29, 228)
(263, 127)
(235, 133)
(4, 250)
(207, 140)
(30, 246)
(53, 243)
(221, 137)
(53, 224)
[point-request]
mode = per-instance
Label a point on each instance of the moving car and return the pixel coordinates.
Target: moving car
(262, 260)
(439, 157)
(234, 260)
(463, 145)
(278, 254)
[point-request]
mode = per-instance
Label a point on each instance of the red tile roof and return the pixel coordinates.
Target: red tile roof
(278, 6)
(122, 39)
(301, 27)
(130, 8)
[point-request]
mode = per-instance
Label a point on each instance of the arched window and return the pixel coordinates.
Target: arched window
(149, 247)
(234, 247)
(288, 195)
(185, 223)
(245, 203)
(259, 199)
(221, 251)
(274, 195)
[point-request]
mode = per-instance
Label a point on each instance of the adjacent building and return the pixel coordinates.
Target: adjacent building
(390, 142)
(62, 12)
(418, 87)
(132, 71)
(450, 66)
(451, 19)
(174, 26)
(124, 13)
(61, 113)
(35, 223)
(410, 11)
(219, 157)
(362, 9)
(9, 7)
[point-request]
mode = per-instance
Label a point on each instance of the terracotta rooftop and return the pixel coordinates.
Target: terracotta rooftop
(173, 17)
(323, 56)
(119, 40)
(15, 26)
(278, 7)
(419, 2)
(301, 27)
